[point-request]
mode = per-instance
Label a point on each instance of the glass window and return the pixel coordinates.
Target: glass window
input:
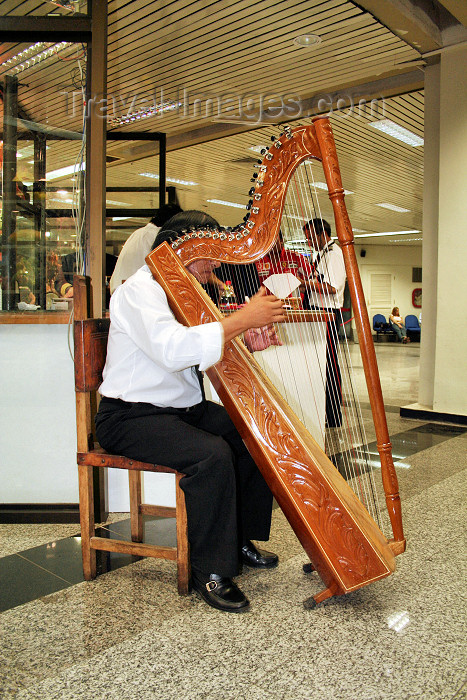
(42, 158)
(39, 8)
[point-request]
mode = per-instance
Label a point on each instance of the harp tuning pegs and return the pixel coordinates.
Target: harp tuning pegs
(273, 138)
(248, 206)
(255, 175)
(251, 192)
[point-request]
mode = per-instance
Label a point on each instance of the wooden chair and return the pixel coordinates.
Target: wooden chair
(90, 345)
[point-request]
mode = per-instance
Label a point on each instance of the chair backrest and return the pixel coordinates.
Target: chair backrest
(379, 322)
(411, 321)
(90, 347)
(90, 340)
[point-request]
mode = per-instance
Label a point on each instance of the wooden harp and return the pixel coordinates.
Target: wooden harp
(341, 538)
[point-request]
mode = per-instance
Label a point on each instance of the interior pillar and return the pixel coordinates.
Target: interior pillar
(443, 367)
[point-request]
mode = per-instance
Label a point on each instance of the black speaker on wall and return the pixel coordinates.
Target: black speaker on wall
(362, 253)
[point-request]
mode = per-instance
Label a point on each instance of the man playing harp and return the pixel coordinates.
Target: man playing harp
(154, 410)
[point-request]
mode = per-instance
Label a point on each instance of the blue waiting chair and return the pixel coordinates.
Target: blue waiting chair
(382, 328)
(413, 327)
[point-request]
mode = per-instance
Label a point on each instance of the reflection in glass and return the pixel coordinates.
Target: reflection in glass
(51, 8)
(43, 174)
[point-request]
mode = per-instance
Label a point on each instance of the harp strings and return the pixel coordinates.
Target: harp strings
(302, 375)
(345, 444)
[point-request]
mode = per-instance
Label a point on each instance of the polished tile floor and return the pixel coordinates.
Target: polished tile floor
(128, 635)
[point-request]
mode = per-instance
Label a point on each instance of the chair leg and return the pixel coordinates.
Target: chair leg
(86, 514)
(183, 549)
(136, 518)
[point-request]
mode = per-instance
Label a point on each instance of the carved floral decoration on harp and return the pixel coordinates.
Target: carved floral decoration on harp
(329, 518)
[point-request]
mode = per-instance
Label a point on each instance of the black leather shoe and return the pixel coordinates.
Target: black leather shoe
(258, 558)
(220, 592)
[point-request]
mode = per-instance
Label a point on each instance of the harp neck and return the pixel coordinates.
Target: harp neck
(253, 239)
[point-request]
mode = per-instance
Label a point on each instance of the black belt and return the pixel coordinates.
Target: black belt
(129, 404)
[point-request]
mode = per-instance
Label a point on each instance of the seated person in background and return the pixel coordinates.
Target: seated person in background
(397, 325)
(153, 409)
(139, 244)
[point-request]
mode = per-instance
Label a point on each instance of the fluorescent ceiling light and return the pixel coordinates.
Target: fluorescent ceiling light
(118, 204)
(406, 240)
(398, 132)
(169, 179)
(386, 233)
(29, 57)
(62, 172)
(121, 218)
(153, 111)
(226, 204)
(60, 201)
(393, 207)
(295, 217)
(323, 186)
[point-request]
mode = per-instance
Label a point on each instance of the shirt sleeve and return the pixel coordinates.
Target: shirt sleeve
(333, 269)
(140, 310)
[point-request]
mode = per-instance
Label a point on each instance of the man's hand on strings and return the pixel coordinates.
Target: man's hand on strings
(262, 311)
(261, 338)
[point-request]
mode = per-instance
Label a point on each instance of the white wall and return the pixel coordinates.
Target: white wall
(37, 415)
(397, 261)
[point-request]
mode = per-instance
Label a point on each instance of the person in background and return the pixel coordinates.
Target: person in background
(153, 409)
(397, 325)
(63, 284)
(325, 292)
(279, 260)
(139, 244)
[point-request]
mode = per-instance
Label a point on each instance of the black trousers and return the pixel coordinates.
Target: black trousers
(227, 499)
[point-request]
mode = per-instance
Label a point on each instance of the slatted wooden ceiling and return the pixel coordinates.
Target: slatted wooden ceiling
(223, 48)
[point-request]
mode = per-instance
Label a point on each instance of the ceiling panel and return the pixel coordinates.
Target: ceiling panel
(185, 51)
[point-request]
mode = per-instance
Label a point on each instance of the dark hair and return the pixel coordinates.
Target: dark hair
(318, 226)
(183, 221)
(164, 213)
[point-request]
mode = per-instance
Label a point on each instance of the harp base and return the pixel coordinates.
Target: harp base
(397, 546)
(315, 600)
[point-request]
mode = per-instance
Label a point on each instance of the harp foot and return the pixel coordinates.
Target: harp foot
(308, 568)
(315, 600)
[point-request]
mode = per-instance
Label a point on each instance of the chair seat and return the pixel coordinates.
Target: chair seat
(98, 457)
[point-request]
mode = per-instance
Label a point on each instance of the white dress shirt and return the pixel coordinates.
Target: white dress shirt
(133, 253)
(330, 269)
(150, 356)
